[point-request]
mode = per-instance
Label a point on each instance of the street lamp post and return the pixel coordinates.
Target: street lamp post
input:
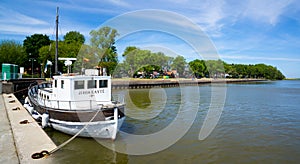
(41, 70)
(32, 59)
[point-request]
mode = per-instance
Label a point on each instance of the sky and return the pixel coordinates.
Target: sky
(240, 32)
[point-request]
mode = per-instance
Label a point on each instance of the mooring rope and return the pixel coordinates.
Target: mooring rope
(32, 83)
(20, 90)
(23, 89)
(46, 153)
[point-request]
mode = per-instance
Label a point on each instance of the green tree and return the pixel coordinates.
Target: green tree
(121, 70)
(161, 60)
(128, 50)
(135, 59)
(253, 71)
(86, 58)
(102, 44)
(215, 68)
(12, 52)
(32, 44)
(69, 47)
(198, 68)
(241, 70)
(143, 60)
(179, 64)
(74, 36)
(230, 69)
(68, 50)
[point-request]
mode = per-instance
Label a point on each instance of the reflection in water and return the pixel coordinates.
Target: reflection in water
(152, 101)
(163, 136)
(140, 97)
(84, 150)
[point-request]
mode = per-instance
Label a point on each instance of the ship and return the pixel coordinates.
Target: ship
(77, 104)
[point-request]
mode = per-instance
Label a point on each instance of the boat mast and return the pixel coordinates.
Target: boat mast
(56, 42)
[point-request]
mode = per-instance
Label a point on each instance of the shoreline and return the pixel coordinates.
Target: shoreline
(204, 80)
(292, 79)
(134, 83)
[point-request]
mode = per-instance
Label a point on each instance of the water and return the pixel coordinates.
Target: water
(260, 123)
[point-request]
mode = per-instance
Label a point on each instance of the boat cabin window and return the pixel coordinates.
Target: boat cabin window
(55, 83)
(92, 84)
(102, 83)
(79, 84)
(62, 84)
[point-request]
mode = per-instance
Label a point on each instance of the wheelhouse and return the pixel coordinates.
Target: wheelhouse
(73, 92)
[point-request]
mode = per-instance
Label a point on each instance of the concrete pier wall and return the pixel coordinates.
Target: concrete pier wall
(28, 138)
(8, 153)
(17, 85)
(22, 84)
(151, 83)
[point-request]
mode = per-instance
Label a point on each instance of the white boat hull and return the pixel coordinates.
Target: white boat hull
(100, 129)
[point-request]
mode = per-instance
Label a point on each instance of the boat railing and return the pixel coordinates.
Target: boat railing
(33, 89)
(63, 104)
(68, 105)
(71, 105)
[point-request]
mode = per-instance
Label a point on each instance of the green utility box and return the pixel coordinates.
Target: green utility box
(9, 71)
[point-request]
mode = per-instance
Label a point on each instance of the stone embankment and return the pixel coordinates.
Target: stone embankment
(150, 83)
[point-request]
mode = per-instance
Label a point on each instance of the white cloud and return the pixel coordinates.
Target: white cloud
(119, 3)
(245, 57)
(15, 23)
(209, 15)
(215, 15)
(178, 1)
(13, 17)
(24, 30)
(267, 11)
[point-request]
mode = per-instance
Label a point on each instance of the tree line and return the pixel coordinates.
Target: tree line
(37, 49)
(219, 68)
(138, 60)
(102, 54)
